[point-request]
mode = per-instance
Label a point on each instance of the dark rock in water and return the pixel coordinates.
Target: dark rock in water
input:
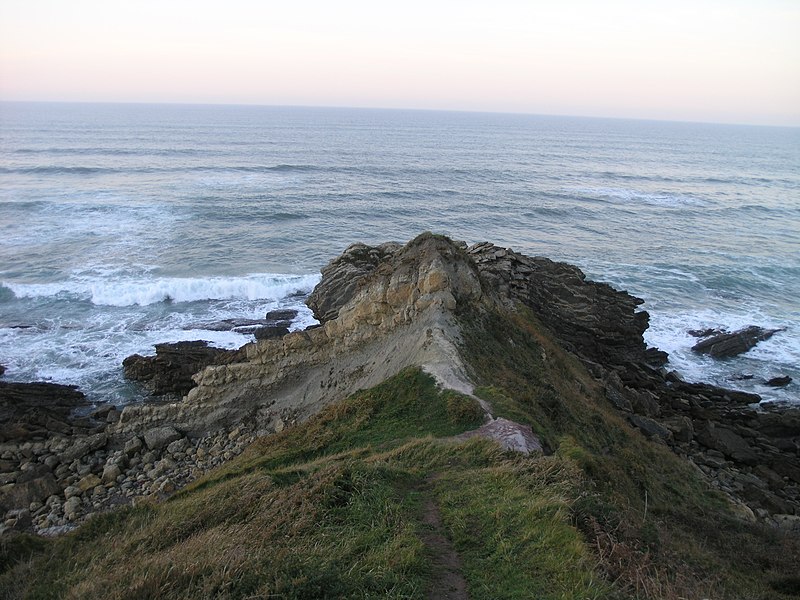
(742, 376)
(705, 333)
(271, 332)
(170, 370)
(286, 314)
(655, 357)
(779, 381)
(30, 410)
(2, 370)
(228, 324)
(247, 325)
(725, 345)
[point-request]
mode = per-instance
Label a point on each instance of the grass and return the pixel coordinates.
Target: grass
(323, 510)
(656, 529)
(331, 508)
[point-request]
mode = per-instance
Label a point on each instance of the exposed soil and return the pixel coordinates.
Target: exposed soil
(447, 582)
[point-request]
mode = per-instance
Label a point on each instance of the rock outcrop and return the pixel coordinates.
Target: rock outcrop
(726, 345)
(29, 410)
(170, 371)
(388, 307)
(383, 309)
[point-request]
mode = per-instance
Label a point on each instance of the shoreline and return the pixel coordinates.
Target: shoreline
(150, 450)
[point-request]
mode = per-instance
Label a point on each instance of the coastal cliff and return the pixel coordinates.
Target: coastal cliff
(496, 412)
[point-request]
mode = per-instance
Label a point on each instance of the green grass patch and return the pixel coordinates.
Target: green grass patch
(511, 523)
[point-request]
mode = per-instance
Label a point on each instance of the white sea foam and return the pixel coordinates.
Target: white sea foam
(145, 291)
(91, 357)
(778, 355)
(640, 197)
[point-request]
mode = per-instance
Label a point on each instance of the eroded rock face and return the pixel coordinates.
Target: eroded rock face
(406, 293)
(390, 307)
(590, 319)
(342, 276)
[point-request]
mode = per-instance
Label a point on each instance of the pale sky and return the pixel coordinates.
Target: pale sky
(730, 61)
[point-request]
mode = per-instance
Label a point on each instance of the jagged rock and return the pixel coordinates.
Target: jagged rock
(170, 370)
(649, 427)
(30, 410)
(2, 370)
(726, 345)
(618, 399)
(271, 332)
(286, 314)
(342, 276)
(133, 445)
(82, 446)
(591, 319)
(779, 381)
(729, 443)
(705, 333)
(159, 437)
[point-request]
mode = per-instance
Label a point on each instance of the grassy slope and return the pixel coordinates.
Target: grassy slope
(332, 508)
(656, 528)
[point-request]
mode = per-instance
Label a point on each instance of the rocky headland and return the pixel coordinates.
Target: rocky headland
(381, 310)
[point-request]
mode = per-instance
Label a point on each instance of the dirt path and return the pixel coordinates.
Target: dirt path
(447, 582)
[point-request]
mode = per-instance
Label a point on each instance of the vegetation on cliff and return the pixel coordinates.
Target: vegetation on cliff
(335, 507)
(379, 495)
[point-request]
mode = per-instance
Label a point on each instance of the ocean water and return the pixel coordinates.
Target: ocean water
(126, 225)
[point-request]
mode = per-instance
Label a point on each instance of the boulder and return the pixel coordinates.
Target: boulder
(110, 473)
(133, 445)
(88, 482)
(726, 345)
(160, 437)
(649, 427)
(271, 332)
(729, 443)
(81, 446)
(286, 314)
(21, 495)
(71, 507)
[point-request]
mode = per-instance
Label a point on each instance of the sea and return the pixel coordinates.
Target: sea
(126, 225)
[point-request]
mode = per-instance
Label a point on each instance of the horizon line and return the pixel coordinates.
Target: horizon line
(398, 109)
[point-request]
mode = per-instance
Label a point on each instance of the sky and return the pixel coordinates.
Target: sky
(734, 61)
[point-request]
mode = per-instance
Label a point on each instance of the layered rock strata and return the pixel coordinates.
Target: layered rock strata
(382, 309)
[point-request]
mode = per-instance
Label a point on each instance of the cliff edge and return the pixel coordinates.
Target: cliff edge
(465, 421)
